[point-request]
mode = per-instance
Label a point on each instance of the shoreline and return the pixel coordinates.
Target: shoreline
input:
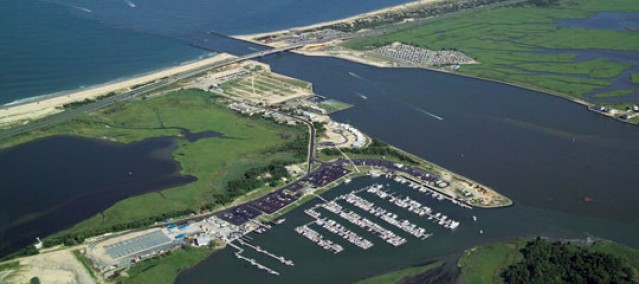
(251, 37)
(41, 106)
(552, 93)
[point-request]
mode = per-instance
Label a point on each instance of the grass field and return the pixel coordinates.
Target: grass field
(164, 269)
(332, 106)
(485, 263)
(634, 77)
(396, 276)
(617, 93)
(248, 142)
(515, 44)
(13, 265)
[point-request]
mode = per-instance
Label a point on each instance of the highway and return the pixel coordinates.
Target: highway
(69, 114)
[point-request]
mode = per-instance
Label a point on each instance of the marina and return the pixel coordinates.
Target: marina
(336, 228)
(359, 221)
(386, 216)
(414, 207)
(317, 238)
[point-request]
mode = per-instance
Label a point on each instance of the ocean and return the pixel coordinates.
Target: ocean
(52, 46)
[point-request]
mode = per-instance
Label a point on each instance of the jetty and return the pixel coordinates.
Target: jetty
(270, 254)
(252, 261)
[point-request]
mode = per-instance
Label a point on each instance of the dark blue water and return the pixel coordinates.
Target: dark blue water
(539, 150)
(46, 48)
(545, 153)
(619, 21)
(53, 183)
(50, 46)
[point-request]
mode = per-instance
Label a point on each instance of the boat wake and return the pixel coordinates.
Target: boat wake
(361, 95)
(430, 114)
(130, 3)
(355, 75)
(86, 10)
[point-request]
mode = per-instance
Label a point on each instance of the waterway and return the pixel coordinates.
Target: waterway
(547, 154)
(53, 183)
(618, 21)
(51, 46)
(569, 171)
(615, 21)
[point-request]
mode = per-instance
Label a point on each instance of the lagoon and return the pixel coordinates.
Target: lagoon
(53, 183)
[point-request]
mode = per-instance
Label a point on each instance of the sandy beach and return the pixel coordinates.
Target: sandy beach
(54, 267)
(23, 113)
(252, 37)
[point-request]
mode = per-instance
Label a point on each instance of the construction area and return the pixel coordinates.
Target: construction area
(342, 135)
(253, 83)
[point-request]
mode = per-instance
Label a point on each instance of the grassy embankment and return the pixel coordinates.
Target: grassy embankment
(332, 106)
(508, 42)
(247, 143)
(634, 78)
(13, 265)
(484, 264)
(85, 263)
(165, 268)
(398, 275)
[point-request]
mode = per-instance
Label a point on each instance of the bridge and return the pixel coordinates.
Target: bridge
(102, 103)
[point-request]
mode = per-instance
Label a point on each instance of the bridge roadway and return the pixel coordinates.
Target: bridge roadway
(69, 114)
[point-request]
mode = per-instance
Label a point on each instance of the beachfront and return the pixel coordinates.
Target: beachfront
(24, 113)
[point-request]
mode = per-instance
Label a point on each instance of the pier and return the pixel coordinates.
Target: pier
(357, 220)
(261, 250)
(352, 237)
(317, 238)
(253, 262)
(385, 216)
(414, 207)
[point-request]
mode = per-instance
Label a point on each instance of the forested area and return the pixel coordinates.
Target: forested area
(556, 262)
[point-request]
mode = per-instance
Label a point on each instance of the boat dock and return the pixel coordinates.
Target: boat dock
(337, 228)
(253, 262)
(414, 207)
(357, 220)
(261, 250)
(317, 238)
(424, 188)
(384, 215)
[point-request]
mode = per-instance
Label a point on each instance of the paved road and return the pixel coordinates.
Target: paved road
(69, 114)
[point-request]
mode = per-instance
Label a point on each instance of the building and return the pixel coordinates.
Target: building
(203, 240)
